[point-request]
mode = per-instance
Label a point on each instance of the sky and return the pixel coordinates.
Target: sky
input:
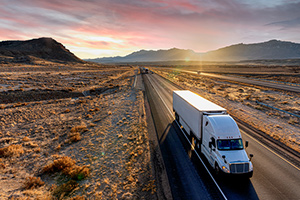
(103, 28)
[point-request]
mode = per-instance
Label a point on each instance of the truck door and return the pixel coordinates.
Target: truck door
(212, 149)
(206, 135)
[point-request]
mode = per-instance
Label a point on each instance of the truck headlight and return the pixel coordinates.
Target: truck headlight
(250, 167)
(224, 168)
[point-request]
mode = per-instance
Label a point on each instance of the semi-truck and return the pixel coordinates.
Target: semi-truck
(213, 132)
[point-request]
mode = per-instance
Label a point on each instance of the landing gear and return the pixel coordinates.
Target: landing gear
(193, 141)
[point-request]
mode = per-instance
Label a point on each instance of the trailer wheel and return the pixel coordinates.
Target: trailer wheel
(176, 117)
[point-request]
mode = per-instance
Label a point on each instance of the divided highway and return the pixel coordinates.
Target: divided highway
(274, 176)
(290, 88)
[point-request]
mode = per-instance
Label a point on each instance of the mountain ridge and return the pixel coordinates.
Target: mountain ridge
(272, 49)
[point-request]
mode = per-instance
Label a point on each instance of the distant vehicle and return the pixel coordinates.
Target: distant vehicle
(144, 70)
(212, 131)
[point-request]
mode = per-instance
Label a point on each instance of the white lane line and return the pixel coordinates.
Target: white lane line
(135, 77)
(171, 113)
(272, 151)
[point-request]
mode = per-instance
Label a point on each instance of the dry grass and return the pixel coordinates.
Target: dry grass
(60, 164)
(81, 128)
(33, 182)
(78, 198)
(74, 137)
(67, 166)
(13, 150)
(64, 190)
(93, 149)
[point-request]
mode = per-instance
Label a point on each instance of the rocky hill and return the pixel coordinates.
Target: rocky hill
(152, 56)
(271, 50)
(41, 48)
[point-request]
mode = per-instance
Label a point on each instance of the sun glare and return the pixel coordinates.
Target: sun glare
(96, 38)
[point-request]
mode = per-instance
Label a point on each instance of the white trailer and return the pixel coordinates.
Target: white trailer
(212, 131)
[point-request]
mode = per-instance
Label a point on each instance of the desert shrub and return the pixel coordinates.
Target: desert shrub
(65, 189)
(12, 150)
(26, 139)
(67, 111)
(79, 172)
(60, 164)
(33, 182)
(284, 102)
(81, 128)
(241, 90)
(248, 97)
(89, 116)
(67, 165)
(78, 198)
(74, 137)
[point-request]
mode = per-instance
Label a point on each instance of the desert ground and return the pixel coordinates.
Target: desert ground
(240, 99)
(79, 131)
(73, 132)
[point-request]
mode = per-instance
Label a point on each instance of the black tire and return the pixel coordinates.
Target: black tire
(217, 170)
(250, 174)
(177, 117)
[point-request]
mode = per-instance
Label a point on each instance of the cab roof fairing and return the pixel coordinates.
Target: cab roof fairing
(224, 127)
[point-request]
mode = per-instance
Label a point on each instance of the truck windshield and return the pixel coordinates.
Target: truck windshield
(232, 144)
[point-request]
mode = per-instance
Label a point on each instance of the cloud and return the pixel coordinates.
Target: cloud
(114, 25)
(287, 23)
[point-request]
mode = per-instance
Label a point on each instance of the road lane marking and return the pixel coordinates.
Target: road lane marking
(135, 77)
(272, 151)
(171, 113)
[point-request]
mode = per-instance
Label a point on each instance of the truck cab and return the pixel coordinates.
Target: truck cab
(213, 132)
(223, 146)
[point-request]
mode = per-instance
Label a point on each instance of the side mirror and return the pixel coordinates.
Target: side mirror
(224, 158)
(246, 144)
(251, 156)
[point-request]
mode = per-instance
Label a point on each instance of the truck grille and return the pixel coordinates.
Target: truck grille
(237, 168)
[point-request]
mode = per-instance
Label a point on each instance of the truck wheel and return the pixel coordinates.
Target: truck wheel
(217, 169)
(250, 174)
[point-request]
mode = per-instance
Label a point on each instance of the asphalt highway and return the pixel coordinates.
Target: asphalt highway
(267, 84)
(274, 176)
